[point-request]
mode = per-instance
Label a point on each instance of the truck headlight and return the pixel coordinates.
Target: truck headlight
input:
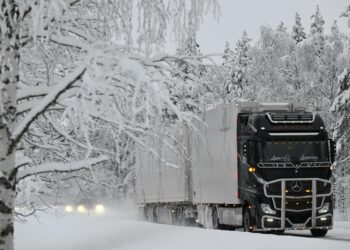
(267, 209)
(325, 208)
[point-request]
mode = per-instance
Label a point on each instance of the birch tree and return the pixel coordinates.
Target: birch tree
(114, 77)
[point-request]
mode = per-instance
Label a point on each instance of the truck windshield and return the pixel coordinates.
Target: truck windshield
(294, 151)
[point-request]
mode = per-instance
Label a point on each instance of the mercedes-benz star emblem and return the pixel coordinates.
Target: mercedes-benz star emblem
(296, 186)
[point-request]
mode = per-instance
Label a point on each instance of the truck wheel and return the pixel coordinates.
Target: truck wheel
(318, 232)
(247, 221)
(179, 217)
(154, 214)
(215, 218)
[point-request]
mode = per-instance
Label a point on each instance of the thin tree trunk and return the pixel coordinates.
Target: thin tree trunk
(9, 76)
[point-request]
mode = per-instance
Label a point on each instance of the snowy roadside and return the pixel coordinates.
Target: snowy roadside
(122, 231)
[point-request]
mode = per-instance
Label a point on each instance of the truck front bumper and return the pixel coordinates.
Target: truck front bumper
(292, 217)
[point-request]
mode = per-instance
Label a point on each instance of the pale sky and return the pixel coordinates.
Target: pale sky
(249, 15)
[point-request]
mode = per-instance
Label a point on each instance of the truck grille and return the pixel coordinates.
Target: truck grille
(300, 204)
(298, 188)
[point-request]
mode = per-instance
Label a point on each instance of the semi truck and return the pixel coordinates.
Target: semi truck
(254, 166)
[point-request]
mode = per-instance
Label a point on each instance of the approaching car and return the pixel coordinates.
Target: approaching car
(85, 206)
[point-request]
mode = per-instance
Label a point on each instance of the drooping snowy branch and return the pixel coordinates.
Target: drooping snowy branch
(59, 167)
(43, 105)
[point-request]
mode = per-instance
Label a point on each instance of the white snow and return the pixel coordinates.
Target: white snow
(122, 230)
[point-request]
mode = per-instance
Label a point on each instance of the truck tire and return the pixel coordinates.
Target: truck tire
(154, 215)
(247, 221)
(318, 232)
(181, 220)
(215, 218)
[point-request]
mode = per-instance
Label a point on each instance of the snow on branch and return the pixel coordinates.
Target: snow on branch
(29, 92)
(59, 167)
(22, 160)
(44, 104)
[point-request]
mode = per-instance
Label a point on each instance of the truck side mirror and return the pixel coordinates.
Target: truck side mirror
(332, 149)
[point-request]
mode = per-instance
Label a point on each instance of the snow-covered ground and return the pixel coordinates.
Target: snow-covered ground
(122, 230)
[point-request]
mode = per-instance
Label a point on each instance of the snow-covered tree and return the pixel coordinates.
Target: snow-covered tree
(228, 54)
(317, 23)
(341, 106)
(317, 31)
(235, 65)
(298, 32)
(268, 56)
(346, 13)
(98, 68)
(281, 27)
(335, 38)
(228, 68)
(186, 95)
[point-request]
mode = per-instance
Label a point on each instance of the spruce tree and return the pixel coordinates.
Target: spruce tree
(317, 23)
(335, 38)
(235, 65)
(228, 54)
(298, 32)
(187, 95)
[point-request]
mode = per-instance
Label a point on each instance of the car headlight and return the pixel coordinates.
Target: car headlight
(99, 209)
(267, 209)
(325, 208)
(81, 209)
(69, 209)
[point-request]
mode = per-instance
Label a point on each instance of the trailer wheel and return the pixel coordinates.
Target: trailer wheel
(247, 221)
(215, 218)
(318, 232)
(154, 214)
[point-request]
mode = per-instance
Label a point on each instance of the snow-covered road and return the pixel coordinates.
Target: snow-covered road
(122, 231)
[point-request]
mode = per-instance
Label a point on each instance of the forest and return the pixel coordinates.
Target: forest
(84, 83)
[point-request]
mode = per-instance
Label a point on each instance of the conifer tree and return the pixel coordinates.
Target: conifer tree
(335, 38)
(298, 32)
(317, 31)
(187, 95)
(235, 66)
(317, 23)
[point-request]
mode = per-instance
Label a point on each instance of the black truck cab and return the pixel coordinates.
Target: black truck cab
(285, 169)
